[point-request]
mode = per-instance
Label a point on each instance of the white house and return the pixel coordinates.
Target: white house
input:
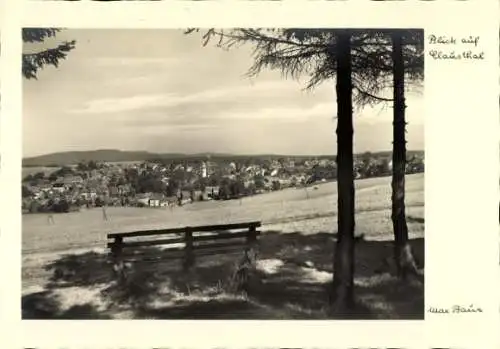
(59, 187)
(154, 202)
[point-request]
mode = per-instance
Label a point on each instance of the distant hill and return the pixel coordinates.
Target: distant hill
(75, 157)
(107, 155)
(114, 155)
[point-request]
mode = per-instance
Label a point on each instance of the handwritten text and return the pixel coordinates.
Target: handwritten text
(452, 48)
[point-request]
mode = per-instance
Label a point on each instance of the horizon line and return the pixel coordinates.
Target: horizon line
(206, 153)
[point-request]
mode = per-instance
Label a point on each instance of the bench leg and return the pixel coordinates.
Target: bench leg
(188, 262)
(120, 272)
(119, 265)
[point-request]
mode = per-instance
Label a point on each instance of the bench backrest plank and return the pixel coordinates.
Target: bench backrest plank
(185, 236)
(205, 228)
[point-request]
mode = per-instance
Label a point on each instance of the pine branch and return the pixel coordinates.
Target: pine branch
(310, 52)
(369, 95)
(38, 34)
(33, 62)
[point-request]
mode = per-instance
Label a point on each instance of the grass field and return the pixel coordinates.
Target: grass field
(65, 274)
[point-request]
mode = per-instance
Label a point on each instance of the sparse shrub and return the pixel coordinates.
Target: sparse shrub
(34, 207)
(62, 206)
(98, 202)
(244, 273)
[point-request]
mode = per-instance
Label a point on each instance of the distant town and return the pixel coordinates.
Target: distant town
(180, 181)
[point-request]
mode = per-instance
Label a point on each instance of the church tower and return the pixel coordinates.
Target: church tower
(204, 169)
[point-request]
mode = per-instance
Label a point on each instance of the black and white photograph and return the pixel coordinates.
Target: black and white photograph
(259, 173)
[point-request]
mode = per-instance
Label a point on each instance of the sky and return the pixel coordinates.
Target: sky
(162, 91)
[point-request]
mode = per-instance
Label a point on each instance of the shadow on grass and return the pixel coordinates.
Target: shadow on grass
(87, 269)
(291, 281)
(405, 300)
(216, 309)
(411, 219)
(45, 305)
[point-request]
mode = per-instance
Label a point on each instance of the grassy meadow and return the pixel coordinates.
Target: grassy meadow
(66, 273)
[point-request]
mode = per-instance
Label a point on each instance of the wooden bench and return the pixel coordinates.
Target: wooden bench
(183, 243)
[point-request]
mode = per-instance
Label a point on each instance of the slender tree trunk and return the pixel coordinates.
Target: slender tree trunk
(405, 262)
(343, 277)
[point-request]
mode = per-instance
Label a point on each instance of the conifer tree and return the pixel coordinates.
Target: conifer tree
(361, 62)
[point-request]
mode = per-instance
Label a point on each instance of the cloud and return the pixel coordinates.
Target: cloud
(288, 114)
(160, 131)
(166, 100)
(226, 113)
(134, 61)
(121, 104)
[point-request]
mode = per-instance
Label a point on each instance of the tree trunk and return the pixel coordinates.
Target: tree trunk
(343, 277)
(405, 262)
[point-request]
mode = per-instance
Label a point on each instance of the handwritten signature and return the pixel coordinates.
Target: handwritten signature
(455, 309)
